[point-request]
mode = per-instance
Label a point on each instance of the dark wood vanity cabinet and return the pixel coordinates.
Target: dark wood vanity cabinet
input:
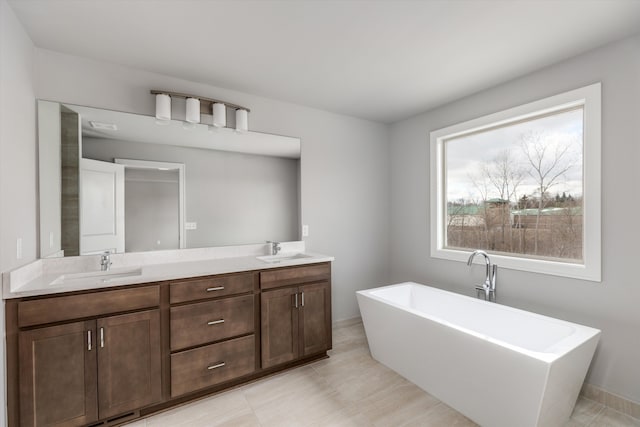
(75, 373)
(105, 357)
(296, 314)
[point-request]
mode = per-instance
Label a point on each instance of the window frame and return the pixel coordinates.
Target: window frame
(589, 98)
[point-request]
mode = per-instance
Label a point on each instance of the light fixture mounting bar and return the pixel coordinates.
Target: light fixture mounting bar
(205, 103)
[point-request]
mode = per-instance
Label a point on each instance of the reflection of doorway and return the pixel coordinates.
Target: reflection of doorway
(102, 225)
(154, 205)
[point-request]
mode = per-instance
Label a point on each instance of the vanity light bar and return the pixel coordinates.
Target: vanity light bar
(206, 106)
(205, 103)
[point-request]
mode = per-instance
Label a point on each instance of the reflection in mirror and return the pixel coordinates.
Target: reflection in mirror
(121, 182)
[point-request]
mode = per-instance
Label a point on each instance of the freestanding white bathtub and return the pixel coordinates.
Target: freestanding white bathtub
(499, 366)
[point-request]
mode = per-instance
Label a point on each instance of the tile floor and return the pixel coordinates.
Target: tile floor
(348, 389)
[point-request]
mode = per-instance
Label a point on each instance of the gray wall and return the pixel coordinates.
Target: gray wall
(17, 155)
(17, 142)
(234, 198)
(613, 305)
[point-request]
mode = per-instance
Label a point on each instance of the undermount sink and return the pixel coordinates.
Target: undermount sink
(101, 276)
(273, 259)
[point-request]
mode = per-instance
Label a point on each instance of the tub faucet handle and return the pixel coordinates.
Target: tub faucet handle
(494, 276)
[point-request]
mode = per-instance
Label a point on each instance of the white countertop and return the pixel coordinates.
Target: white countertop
(38, 279)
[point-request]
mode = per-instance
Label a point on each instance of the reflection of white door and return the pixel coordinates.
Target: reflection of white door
(101, 207)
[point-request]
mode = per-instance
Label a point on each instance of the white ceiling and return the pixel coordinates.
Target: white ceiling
(379, 60)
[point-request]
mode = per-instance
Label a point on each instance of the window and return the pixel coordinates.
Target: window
(524, 185)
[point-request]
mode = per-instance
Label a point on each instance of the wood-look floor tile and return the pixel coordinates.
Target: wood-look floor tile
(574, 423)
(345, 417)
(610, 418)
(278, 390)
(345, 369)
(439, 416)
(206, 412)
(300, 411)
(398, 405)
(297, 399)
(585, 411)
(247, 420)
(374, 379)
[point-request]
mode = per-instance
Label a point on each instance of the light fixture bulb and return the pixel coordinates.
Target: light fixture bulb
(219, 115)
(192, 114)
(242, 120)
(163, 107)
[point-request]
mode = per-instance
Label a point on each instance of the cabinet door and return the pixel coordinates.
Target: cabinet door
(315, 318)
(58, 375)
(129, 373)
(279, 326)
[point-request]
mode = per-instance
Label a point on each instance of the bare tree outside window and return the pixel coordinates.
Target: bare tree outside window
(518, 188)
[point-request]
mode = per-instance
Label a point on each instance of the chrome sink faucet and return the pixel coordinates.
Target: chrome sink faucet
(105, 261)
(275, 247)
(489, 285)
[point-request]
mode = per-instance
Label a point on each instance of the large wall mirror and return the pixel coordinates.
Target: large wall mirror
(123, 182)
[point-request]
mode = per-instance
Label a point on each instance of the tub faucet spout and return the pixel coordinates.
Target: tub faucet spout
(489, 285)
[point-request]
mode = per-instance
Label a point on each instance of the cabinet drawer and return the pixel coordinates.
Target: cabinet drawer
(203, 322)
(295, 275)
(214, 364)
(211, 287)
(58, 309)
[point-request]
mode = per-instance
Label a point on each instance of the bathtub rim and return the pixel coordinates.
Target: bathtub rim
(581, 333)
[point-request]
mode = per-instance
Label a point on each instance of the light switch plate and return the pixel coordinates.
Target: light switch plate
(305, 231)
(191, 225)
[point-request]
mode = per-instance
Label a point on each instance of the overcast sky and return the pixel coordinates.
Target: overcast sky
(465, 156)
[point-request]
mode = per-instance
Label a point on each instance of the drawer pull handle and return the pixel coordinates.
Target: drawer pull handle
(216, 366)
(89, 346)
(101, 337)
(215, 322)
(302, 298)
(216, 288)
